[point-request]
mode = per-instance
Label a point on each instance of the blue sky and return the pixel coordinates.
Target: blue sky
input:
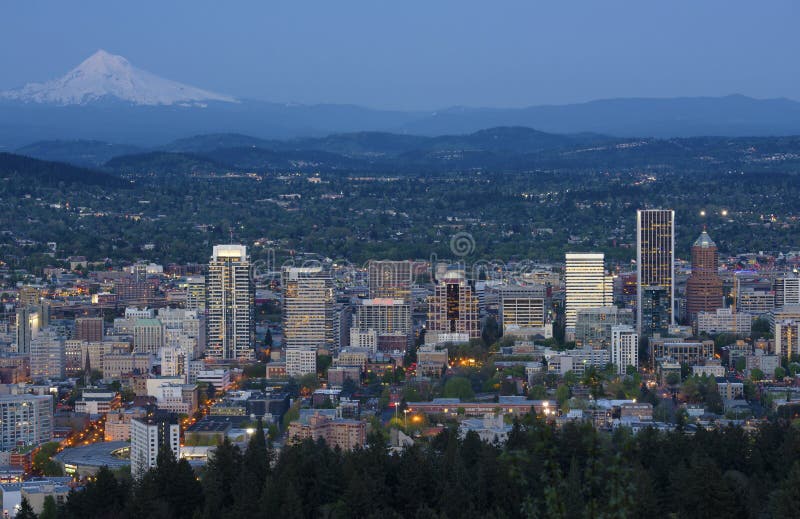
(421, 54)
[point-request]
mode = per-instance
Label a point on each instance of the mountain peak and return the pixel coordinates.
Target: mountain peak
(104, 59)
(109, 76)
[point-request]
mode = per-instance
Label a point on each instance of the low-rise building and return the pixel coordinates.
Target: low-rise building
(681, 351)
(220, 378)
(12, 493)
(116, 365)
(118, 424)
(724, 320)
(336, 432)
(96, 401)
(710, 368)
(337, 375)
(491, 428)
(301, 361)
(730, 389)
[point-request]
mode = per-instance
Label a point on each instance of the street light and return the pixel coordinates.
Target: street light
(405, 418)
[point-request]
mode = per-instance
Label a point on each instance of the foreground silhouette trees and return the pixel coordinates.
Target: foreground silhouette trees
(541, 472)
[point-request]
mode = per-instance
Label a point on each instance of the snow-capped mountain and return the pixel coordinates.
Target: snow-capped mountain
(107, 76)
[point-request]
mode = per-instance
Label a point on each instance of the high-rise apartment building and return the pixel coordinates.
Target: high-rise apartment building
(655, 259)
(587, 285)
(787, 290)
(26, 420)
(229, 304)
(452, 310)
(308, 307)
(148, 435)
(389, 318)
(704, 286)
(48, 355)
(624, 348)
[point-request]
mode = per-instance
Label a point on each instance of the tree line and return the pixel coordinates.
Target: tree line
(542, 471)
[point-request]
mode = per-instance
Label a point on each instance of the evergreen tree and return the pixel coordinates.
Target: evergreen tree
(25, 510)
(784, 501)
(255, 468)
(49, 508)
(220, 475)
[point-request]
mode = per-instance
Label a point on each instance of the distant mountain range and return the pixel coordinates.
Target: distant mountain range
(358, 151)
(107, 98)
(26, 170)
(492, 150)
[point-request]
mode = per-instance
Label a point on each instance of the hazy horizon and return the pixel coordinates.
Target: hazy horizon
(418, 55)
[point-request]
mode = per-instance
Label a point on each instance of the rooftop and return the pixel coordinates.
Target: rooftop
(704, 241)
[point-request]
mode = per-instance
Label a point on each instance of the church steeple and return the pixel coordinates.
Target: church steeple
(87, 370)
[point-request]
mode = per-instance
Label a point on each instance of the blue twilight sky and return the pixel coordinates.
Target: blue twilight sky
(421, 54)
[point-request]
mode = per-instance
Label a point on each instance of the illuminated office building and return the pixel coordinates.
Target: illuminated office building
(452, 310)
(587, 285)
(655, 263)
(308, 308)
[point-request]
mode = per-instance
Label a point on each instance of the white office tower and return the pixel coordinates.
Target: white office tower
(229, 304)
(148, 435)
(27, 420)
(48, 355)
(587, 285)
(308, 304)
(624, 348)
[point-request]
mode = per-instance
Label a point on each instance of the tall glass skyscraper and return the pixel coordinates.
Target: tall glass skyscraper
(308, 305)
(587, 285)
(655, 260)
(229, 304)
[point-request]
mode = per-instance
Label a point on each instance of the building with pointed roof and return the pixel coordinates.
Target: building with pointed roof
(704, 286)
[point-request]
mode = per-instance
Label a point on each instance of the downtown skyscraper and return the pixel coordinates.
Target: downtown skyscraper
(308, 307)
(229, 304)
(655, 269)
(704, 286)
(452, 310)
(586, 284)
